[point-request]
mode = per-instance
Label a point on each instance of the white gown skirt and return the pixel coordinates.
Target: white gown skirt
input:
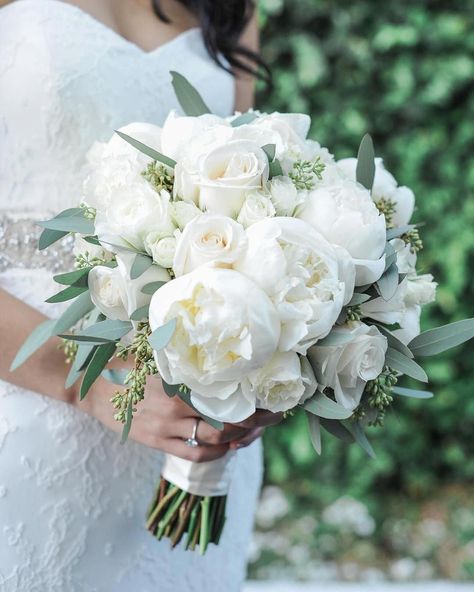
(73, 500)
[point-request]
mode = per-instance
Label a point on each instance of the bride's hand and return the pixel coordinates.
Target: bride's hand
(164, 423)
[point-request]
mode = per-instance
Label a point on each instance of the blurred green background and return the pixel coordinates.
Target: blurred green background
(403, 71)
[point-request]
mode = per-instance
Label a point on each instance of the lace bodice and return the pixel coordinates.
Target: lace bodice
(67, 80)
(72, 500)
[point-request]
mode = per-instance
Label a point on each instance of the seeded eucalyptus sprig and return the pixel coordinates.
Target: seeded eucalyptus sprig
(159, 176)
(412, 238)
(69, 348)
(144, 366)
(305, 172)
(387, 207)
(377, 397)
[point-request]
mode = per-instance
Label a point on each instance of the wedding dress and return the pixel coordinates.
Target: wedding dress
(72, 499)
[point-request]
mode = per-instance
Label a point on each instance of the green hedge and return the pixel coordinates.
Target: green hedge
(403, 71)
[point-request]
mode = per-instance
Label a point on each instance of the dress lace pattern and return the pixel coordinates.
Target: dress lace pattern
(72, 500)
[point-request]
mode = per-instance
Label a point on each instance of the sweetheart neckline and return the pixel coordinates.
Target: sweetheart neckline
(99, 24)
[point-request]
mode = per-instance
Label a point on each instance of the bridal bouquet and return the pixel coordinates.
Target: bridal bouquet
(248, 268)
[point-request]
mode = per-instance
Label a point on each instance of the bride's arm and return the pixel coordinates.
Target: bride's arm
(160, 422)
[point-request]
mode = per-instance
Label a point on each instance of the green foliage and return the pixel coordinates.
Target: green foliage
(404, 73)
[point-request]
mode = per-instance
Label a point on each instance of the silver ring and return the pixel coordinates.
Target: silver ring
(192, 442)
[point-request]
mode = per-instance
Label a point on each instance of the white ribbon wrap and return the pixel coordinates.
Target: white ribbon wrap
(207, 478)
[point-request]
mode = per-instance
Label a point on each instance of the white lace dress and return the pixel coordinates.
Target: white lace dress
(72, 499)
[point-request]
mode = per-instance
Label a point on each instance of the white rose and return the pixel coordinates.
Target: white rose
(115, 294)
(346, 368)
(133, 296)
(302, 274)
(284, 195)
(90, 251)
(161, 248)
(209, 238)
(346, 216)
(385, 187)
(182, 212)
(116, 165)
(226, 327)
(291, 130)
(227, 173)
(107, 292)
(257, 206)
(135, 211)
(286, 381)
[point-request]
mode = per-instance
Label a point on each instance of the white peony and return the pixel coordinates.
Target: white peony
(115, 294)
(302, 274)
(346, 216)
(227, 173)
(115, 165)
(406, 257)
(420, 290)
(135, 211)
(346, 368)
(385, 187)
(226, 327)
(209, 238)
(257, 206)
(284, 382)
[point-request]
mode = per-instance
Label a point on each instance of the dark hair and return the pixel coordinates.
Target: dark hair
(222, 23)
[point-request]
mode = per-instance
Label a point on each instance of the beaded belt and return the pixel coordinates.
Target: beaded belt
(19, 247)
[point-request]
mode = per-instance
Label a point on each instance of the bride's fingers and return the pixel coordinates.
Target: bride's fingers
(261, 418)
(206, 434)
(247, 439)
(198, 454)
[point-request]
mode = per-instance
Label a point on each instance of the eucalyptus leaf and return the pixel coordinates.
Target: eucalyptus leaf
(75, 222)
(406, 392)
(171, 389)
(314, 431)
(140, 314)
(102, 332)
(365, 170)
(390, 255)
(244, 119)
(83, 357)
(361, 438)
(151, 152)
(92, 240)
(435, 341)
(128, 422)
(74, 313)
(394, 341)
(274, 169)
(270, 151)
(68, 294)
(140, 264)
(397, 361)
(152, 287)
(115, 376)
(99, 360)
(396, 232)
(358, 299)
(322, 406)
(337, 429)
(161, 336)
(49, 237)
(33, 342)
(73, 278)
(190, 100)
(387, 285)
(335, 338)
